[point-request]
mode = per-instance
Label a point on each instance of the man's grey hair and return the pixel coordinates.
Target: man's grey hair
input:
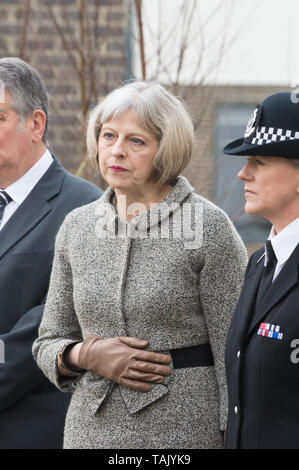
(27, 88)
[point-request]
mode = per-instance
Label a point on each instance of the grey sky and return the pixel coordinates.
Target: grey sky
(241, 41)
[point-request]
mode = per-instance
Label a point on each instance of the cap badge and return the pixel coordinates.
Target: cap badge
(253, 122)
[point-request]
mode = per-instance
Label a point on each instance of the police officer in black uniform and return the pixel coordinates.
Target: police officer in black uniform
(262, 352)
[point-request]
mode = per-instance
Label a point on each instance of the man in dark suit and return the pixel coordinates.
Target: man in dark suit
(262, 344)
(36, 193)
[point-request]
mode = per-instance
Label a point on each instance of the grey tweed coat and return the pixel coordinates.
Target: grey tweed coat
(173, 278)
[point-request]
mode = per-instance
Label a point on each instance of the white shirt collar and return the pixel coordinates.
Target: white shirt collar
(284, 242)
(21, 188)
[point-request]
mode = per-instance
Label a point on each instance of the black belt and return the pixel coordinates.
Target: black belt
(193, 356)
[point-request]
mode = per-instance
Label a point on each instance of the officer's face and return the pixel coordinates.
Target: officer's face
(271, 189)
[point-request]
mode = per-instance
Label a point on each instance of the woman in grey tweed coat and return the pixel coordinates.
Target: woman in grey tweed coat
(150, 268)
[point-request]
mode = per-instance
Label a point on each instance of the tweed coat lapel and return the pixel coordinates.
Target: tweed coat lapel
(176, 196)
(152, 219)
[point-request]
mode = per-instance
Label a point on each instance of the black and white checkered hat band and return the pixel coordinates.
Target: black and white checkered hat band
(266, 135)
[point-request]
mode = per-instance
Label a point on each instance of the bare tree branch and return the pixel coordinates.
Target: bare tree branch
(138, 6)
(62, 37)
(24, 29)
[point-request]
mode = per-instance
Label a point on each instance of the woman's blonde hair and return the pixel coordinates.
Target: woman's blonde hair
(158, 112)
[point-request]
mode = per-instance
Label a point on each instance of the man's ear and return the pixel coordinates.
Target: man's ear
(38, 124)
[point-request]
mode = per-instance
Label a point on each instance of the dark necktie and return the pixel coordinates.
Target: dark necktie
(268, 273)
(4, 200)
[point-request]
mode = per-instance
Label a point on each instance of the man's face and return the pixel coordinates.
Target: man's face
(271, 187)
(15, 138)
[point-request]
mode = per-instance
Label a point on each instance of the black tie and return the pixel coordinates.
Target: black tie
(268, 272)
(4, 200)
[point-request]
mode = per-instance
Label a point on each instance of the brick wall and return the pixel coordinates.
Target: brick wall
(54, 45)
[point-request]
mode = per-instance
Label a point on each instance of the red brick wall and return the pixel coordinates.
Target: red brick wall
(59, 60)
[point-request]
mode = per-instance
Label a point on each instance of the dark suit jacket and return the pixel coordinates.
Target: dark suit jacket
(263, 372)
(32, 410)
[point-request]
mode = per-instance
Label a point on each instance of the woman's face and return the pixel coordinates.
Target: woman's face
(126, 153)
(271, 187)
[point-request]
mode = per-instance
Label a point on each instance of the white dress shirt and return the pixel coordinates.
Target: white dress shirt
(284, 244)
(20, 189)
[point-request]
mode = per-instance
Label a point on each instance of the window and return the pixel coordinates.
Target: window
(231, 122)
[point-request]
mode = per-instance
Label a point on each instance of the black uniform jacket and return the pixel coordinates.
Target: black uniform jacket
(263, 372)
(32, 410)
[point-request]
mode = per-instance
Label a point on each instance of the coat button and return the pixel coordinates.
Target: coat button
(236, 410)
(238, 354)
